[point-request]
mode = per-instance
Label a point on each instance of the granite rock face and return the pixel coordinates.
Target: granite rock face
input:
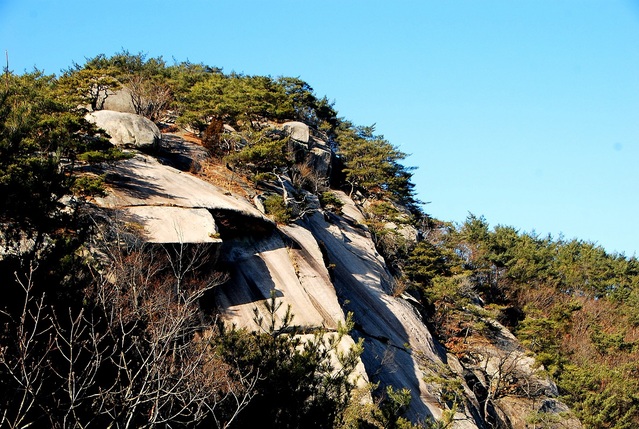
(164, 224)
(173, 206)
(126, 129)
(298, 131)
(119, 101)
(325, 266)
(310, 150)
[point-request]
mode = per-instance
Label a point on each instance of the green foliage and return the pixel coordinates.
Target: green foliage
(38, 130)
(394, 405)
(541, 335)
(603, 397)
(126, 64)
(89, 186)
(275, 207)
(331, 202)
(248, 101)
(258, 99)
(425, 262)
(185, 75)
(299, 383)
(372, 164)
(454, 290)
(109, 155)
(385, 412)
(204, 101)
(265, 151)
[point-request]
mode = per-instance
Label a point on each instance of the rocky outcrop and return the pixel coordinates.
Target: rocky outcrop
(399, 350)
(126, 129)
(181, 154)
(172, 206)
(173, 224)
(119, 101)
(314, 152)
(324, 266)
(298, 131)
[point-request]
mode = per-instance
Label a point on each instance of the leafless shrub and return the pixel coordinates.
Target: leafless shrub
(137, 353)
(24, 357)
(303, 176)
(149, 97)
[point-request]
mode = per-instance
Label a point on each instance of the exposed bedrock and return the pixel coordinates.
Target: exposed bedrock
(323, 266)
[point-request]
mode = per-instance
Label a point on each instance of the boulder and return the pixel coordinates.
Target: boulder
(126, 129)
(119, 101)
(298, 131)
(308, 149)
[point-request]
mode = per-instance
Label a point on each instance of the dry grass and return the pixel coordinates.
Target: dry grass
(217, 174)
(190, 137)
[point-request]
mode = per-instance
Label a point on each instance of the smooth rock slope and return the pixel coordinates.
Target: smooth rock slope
(322, 266)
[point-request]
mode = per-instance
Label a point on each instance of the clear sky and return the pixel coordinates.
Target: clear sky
(524, 111)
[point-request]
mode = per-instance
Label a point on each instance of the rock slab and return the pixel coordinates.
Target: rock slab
(173, 224)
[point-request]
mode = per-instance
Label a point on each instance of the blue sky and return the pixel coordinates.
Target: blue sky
(526, 111)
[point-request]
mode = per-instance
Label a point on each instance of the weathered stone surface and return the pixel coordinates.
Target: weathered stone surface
(288, 266)
(126, 129)
(289, 262)
(319, 158)
(171, 205)
(396, 341)
(119, 101)
(181, 154)
(142, 180)
(298, 131)
(162, 224)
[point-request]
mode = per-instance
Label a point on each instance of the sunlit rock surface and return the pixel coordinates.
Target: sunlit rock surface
(119, 100)
(126, 129)
(324, 266)
(163, 224)
(173, 206)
